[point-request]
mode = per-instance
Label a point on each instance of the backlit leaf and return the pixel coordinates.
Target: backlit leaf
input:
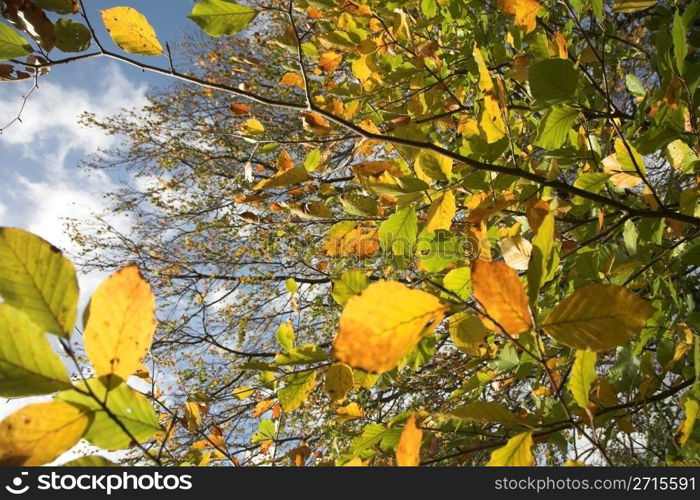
(582, 376)
(597, 318)
(28, 365)
(12, 44)
(399, 316)
(553, 80)
(499, 291)
(72, 36)
(555, 126)
(408, 450)
(40, 433)
(517, 452)
(441, 212)
(296, 390)
(221, 17)
(120, 323)
(289, 177)
(37, 279)
(131, 31)
(486, 412)
(339, 380)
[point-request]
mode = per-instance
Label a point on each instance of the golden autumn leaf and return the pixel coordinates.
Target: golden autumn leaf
(525, 12)
(350, 411)
(314, 122)
(399, 316)
(408, 449)
(284, 178)
(131, 31)
(329, 61)
(39, 433)
(293, 80)
(120, 324)
(253, 126)
(441, 212)
(500, 293)
(339, 380)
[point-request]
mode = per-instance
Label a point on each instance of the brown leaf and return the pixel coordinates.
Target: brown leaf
(28, 17)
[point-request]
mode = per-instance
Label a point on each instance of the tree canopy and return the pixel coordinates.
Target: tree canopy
(374, 233)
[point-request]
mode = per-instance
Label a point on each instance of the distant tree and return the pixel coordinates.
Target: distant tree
(436, 232)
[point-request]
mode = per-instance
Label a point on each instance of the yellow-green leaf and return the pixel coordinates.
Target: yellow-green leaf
(597, 318)
(339, 380)
(28, 365)
(542, 246)
(632, 5)
(131, 408)
(289, 177)
(691, 407)
(297, 389)
(582, 376)
(485, 411)
(467, 333)
(131, 31)
(37, 279)
(40, 433)
(398, 315)
(517, 452)
(441, 212)
(120, 324)
(12, 44)
(221, 17)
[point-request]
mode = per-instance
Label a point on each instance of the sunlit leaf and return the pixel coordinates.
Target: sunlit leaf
(221, 17)
(597, 318)
(339, 380)
(399, 316)
(296, 389)
(40, 433)
(120, 323)
(28, 365)
(12, 44)
(582, 376)
(408, 450)
(37, 279)
(517, 452)
(131, 31)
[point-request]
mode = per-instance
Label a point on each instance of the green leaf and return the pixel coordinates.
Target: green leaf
(399, 231)
(626, 160)
(301, 355)
(266, 431)
(597, 318)
(680, 46)
(459, 282)
(582, 376)
(350, 283)
(555, 126)
(12, 44)
(485, 411)
(630, 237)
(28, 365)
(553, 80)
(632, 5)
(371, 436)
(516, 452)
(634, 85)
(71, 36)
(131, 408)
(90, 461)
(59, 6)
(37, 279)
(429, 8)
(297, 389)
(592, 181)
(438, 249)
(313, 160)
(285, 336)
(542, 246)
(221, 17)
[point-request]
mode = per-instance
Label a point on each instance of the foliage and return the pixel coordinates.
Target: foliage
(329, 198)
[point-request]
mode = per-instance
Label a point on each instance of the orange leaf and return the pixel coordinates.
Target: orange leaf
(408, 450)
(500, 293)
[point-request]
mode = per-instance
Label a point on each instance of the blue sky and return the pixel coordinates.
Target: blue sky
(39, 157)
(41, 180)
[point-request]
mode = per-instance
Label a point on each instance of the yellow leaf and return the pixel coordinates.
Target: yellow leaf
(433, 165)
(491, 121)
(398, 315)
(691, 408)
(289, 177)
(441, 212)
(293, 79)
(243, 392)
(517, 452)
(500, 293)
(574, 463)
(619, 176)
(525, 12)
(582, 376)
(597, 317)
(253, 126)
(40, 433)
(350, 411)
(339, 381)
(468, 333)
(193, 417)
(120, 323)
(485, 81)
(408, 449)
(131, 31)
(355, 462)
(329, 61)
